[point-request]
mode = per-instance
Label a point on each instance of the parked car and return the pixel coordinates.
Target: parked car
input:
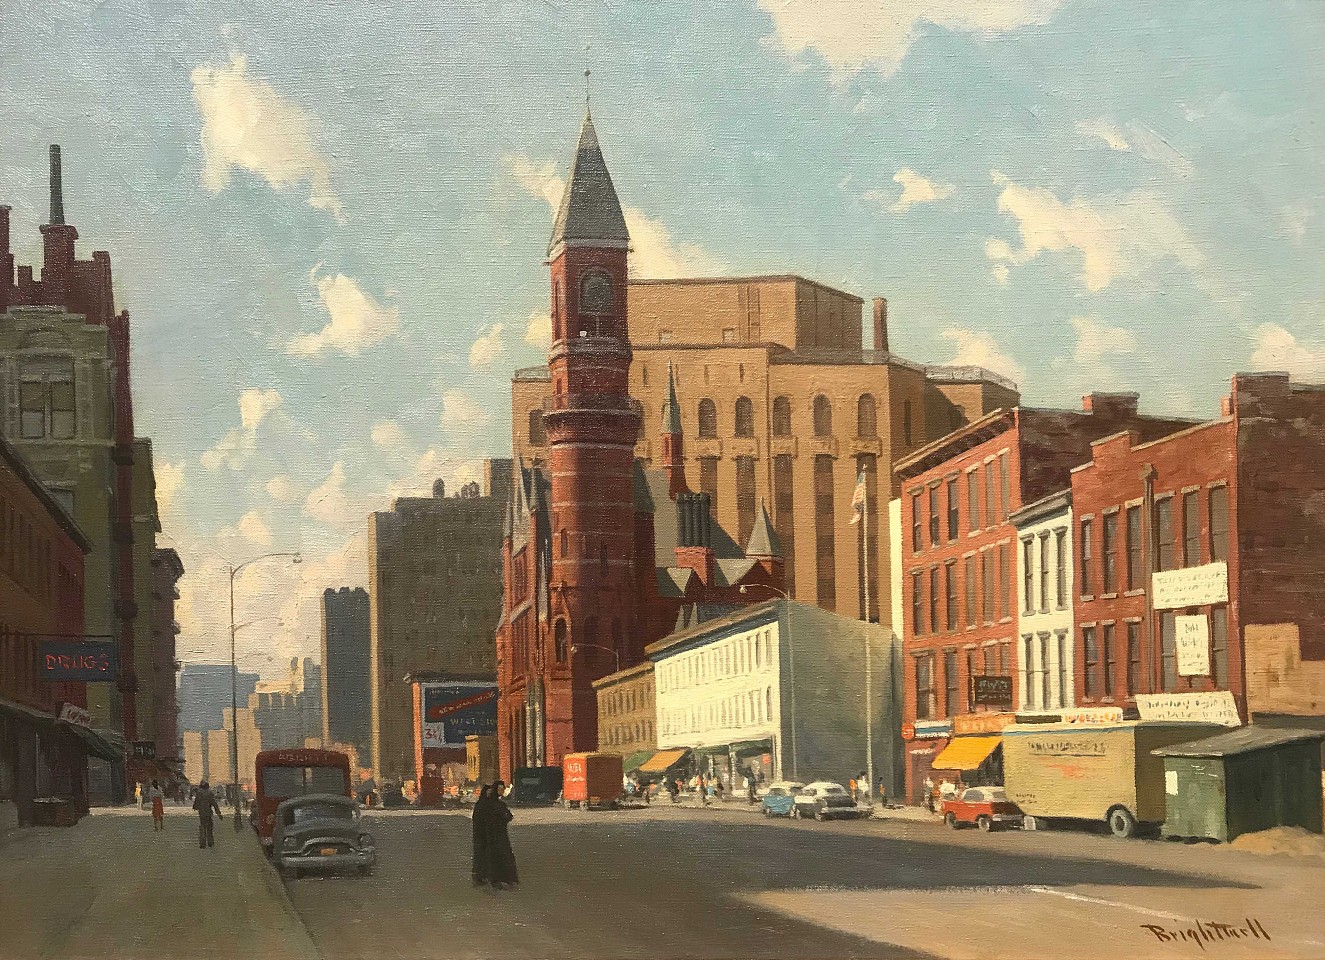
(780, 798)
(823, 800)
(322, 833)
(984, 807)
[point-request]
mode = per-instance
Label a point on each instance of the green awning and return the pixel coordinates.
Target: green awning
(635, 760)
(744, 747)
(24, 712)
(97, 745)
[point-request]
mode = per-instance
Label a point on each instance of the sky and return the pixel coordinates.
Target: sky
(328, 221)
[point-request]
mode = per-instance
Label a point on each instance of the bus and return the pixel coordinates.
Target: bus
(282, 774)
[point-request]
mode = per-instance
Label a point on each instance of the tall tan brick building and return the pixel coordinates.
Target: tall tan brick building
(781, 402)
(434, 593)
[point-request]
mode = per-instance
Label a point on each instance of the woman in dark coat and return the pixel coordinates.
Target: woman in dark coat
(479, 870)
(501, 858)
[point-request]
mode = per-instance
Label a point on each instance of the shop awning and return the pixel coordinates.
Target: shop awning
(662, 761)
(746, 748)
(24, 712)
(966, 753)
(97, 745)
(635, 761)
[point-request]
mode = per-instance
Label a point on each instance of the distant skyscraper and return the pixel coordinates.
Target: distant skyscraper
(347, 715)
(204, 694)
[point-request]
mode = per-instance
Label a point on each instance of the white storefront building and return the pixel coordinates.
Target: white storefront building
(1044, 621)
(780, 688)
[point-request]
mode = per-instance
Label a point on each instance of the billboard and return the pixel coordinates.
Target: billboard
(76, 660)
(988, 690)
(452, 711)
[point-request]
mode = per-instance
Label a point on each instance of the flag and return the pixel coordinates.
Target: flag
(858, 498)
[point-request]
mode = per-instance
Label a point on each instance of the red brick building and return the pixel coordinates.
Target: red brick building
(601, 555)
(1194, 545)
(958, 561)
(41, 594)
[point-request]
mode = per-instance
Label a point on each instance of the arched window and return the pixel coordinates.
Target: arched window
(745, 417)
(708, 419)
(596, 292)
(559, 641)
(906, 422)
(537, 435)
(867, 424)
(823, 416)
(782, 417)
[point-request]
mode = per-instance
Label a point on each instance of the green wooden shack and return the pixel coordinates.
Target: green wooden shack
(1252, 778)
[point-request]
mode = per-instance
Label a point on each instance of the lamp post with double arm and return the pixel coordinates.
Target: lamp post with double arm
(234, 679)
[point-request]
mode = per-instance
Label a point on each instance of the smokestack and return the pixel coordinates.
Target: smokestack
(57, 186)
(4, 229)
(881, 323)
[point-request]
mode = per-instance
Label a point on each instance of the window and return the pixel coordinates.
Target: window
(823, 416)
(953, 518)
(46, 400)
(987, 586)
(991, 495)
(934, 516)
(867, 420)
(1005, 503)
(917, 522)
(1191, 529)
(926, 705)
(906, 422)
(1028, 574)
(917, 605)
(971, 616)
(1044, 572)
(745, 417)
(1044, 671)
(990, 667)
(1026, 675)
(596, 292)
(708, 481)
(1087, 576)
(1060, 568)
(1169, 649)
(1135, 573)
(950, 592)
(1005, 604)
(708, 419)
(1005, 658)
(1219, 524)
(559, 641)
(973, 499)
(1109, 550)
(825, 532)
(1092, 662)
(952, 683)
(784, 503)
(934, 598)
(1107, 650)
(745, 498)
(1219, 647)
(1133, 659)
(781, 417)
(1063, 687)
(1166, 557)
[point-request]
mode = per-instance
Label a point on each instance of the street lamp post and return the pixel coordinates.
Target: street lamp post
(234, 681)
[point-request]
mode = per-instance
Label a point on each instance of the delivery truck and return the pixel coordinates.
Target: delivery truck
(1075, 771)
(591, 781)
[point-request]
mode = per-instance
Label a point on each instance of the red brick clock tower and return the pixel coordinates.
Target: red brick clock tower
(591, 433)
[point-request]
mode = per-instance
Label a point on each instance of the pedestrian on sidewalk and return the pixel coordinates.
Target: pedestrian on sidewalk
(502, 873)
(158, 798)
(479, 868)
(205, 802)
(138, 795)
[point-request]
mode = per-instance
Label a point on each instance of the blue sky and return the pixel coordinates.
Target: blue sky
(329, 223)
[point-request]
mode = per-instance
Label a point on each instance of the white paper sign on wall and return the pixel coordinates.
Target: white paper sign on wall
(1192, 635)
(1191, 586)
(1214, 706)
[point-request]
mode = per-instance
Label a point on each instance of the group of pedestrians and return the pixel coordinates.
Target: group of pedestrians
(493, 861)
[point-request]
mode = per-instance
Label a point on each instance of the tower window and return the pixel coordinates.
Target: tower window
(745, 417)
(782, 417)
(823, 416)
(867, 425)
(708, 419)
(596, 293)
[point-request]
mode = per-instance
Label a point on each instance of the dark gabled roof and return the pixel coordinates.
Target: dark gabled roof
(764, 540)
(590, 211)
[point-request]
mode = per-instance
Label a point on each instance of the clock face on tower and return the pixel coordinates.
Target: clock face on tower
(596, 293)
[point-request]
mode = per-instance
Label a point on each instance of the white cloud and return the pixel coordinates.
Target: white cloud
(1277, 349)
(915, 189)
(538, 331)
(330, 503)
(1096, 343)
(356, 320)
(853, 34)
(248, 125)
(1145, 141)
(169, 480)
(1126, 236)
(461, 413)
(1104, 130)
(976, 348)
(654, 252)
(284, 490)
(488, 350)
(235, 448)
(254, 529)
(389, 436)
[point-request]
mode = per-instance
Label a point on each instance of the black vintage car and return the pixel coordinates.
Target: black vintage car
(321, 833)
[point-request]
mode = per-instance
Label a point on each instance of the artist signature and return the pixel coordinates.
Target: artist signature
(1208, 932)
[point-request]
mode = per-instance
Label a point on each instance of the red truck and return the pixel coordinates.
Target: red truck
(591, 781)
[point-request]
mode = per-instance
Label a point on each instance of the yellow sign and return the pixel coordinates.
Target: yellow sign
(981, 723)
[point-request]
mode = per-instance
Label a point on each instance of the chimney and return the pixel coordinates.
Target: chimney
(57, 240)
(1116, 405)
(57, 187)
(6, 258)
(881, 323)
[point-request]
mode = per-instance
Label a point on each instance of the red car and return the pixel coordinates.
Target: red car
(986, 807)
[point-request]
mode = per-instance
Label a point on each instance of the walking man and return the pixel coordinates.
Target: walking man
(205, 803)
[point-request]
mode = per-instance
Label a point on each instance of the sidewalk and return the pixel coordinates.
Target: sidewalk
(110, 888)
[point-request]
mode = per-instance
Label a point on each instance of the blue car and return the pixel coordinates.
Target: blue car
(780, 798)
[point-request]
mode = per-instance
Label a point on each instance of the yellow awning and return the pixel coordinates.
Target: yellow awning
(966, 753)
(662, 761)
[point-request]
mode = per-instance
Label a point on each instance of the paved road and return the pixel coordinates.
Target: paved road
(670, 883)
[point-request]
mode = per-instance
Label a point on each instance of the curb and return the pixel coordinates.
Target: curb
(300, 940)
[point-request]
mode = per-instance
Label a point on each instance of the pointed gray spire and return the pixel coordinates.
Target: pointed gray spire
(57, 186)
(590, 211)
(764, 540)
(671, 419)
